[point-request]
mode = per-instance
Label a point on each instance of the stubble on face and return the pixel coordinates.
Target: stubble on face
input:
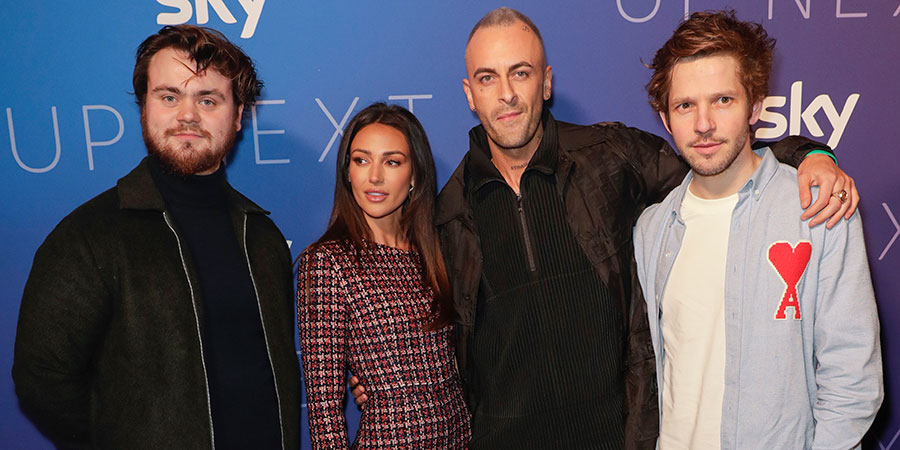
(513, 136)
(511, 119)
(711, 165)
(709, 117)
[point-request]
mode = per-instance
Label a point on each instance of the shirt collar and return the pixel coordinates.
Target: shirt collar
(754, 187)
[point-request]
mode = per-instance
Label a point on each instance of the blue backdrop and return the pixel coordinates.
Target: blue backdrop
(73, 128)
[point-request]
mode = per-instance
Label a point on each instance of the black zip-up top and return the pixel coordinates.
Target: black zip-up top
(545, 320)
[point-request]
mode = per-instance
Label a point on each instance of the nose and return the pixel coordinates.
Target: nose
(507, 93)
(704, 124)
(376, 174)
(187, 112)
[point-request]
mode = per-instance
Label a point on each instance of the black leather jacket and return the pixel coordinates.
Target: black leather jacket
(606, 175)
(108, 348)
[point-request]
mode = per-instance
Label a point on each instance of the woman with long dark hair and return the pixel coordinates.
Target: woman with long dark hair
(373, 296)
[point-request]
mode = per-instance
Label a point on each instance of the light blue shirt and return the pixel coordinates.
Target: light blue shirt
(793, 379)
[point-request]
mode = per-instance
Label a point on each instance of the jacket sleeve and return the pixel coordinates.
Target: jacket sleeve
(657, 167)
(846, 343)
(322, 319)
(793, 149)
(660, 168)
(62, 319)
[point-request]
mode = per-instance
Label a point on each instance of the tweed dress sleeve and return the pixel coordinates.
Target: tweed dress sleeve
(322, 318)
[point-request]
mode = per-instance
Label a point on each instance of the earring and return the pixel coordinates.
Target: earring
(410, 189)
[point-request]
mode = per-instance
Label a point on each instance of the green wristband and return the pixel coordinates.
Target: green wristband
(823, 152)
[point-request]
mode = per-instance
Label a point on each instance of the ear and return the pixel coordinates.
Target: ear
(468, 91)
(237, 120)
(755, 111)
(548, 82)
(665, 121)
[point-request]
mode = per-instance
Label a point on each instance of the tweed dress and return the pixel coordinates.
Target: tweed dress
(363, 311)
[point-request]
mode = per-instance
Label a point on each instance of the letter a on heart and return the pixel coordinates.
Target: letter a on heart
(790, 263)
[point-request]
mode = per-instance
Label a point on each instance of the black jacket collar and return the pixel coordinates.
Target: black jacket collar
(561, 141)
(480, 169)
(137, 190)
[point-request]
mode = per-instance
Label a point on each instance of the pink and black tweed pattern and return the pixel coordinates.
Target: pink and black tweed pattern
(364, 312)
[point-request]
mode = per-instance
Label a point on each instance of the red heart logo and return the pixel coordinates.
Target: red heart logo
(790, 263)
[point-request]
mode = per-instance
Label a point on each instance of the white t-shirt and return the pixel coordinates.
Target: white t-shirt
(693, 328)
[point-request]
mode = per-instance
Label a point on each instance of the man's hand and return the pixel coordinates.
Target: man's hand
(820, 170)
(358, 391)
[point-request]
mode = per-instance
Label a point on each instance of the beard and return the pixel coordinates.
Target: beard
(511, 138)
(187, 158)
(719, 162)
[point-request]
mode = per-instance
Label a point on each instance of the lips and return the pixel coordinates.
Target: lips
(707, 147)
(188, 133)
(507, 116)
(375, 195)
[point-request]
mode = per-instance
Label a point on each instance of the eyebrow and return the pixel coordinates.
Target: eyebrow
(387, 153)
(725, 93)
(481, 70)
(204, 93)
(520, 65)
(211, 92)
(512, 68)
(171, 89)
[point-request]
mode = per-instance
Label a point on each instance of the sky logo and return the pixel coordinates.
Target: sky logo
(253, 8)
(797, 115)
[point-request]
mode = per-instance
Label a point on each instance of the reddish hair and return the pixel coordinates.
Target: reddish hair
(711, 33)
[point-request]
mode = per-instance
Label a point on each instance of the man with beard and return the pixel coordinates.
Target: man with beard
(159, 313)
(552, 338)
(765, 330)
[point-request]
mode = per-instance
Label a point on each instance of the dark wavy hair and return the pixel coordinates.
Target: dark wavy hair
(710, 33)
(348, 223)
(207, 48)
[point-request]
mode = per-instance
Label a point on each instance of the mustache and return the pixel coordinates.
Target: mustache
(497, 114)
(187, 129)
(708, 140)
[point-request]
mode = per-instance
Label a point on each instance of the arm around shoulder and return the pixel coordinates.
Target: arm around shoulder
(654, 161)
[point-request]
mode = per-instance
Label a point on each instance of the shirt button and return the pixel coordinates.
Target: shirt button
(668, 253)
(756, 192)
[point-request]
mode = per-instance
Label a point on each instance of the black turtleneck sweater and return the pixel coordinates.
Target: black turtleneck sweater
(241, 386)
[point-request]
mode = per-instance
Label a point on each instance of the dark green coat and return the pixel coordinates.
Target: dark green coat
(108, 349)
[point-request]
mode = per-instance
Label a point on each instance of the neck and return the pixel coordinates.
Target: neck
(511, 162)
(730, 180)
(387, 231)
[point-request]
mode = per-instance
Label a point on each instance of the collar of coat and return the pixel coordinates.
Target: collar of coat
(560, 143)
(137, 190)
